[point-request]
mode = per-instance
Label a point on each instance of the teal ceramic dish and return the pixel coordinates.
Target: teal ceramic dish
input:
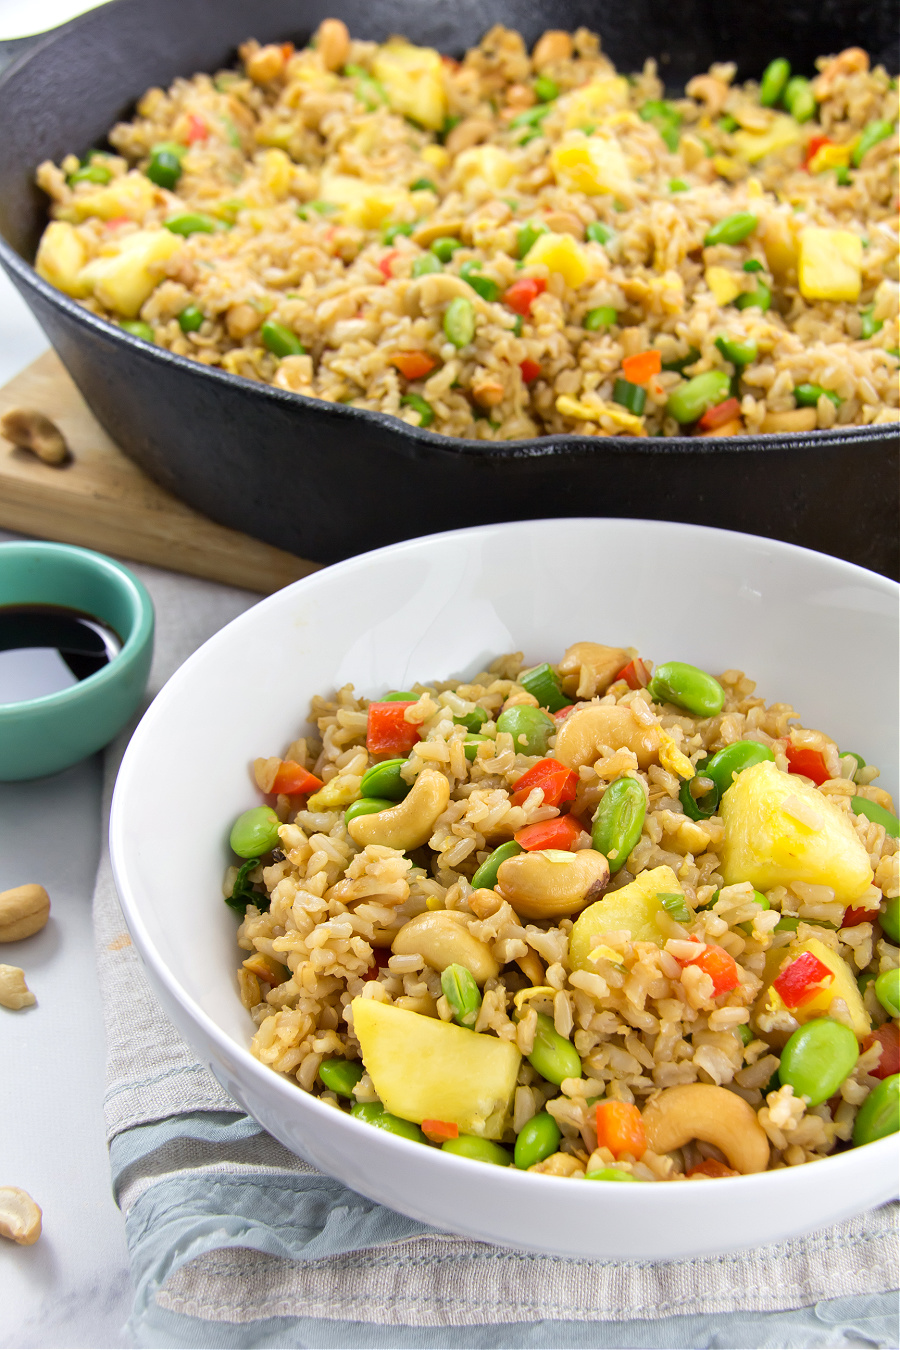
(45, 735)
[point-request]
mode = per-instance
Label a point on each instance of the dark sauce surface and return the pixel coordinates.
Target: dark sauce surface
(46, 648)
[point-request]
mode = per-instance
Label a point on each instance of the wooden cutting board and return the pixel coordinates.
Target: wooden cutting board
(102, 500)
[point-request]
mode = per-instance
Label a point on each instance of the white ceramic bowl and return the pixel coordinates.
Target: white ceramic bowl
(813, 631)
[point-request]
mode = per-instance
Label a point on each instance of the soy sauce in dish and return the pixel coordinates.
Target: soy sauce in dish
(47, 648)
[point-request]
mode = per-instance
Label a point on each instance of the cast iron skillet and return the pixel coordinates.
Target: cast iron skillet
(327, 481)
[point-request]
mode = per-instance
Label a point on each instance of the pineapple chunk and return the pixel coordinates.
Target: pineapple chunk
(634, 907)
(830, 264)
(277, 173)
(563, 254)
(483, 167)
(591, 164)
(768, 846)
(723, 284)
(436, 156)
(844, 987)
(60, 257)
(423, 1069)
(361, 203)
(779, 240)
(593, 100)
(132, 195)
(123, 280)
(413, 79)
(830, 157)
(781, 132)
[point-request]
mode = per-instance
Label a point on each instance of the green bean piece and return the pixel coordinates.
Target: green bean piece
(604, 316)
(192, 222)
(739, 351)
(687, 687)
(385, 780)
(745, 1033)
(419, 405)
(530, 117)
(543, 682)
(367, 806)
(392, 231)
(529, 727)
(536, 1140)
(870, 135)
(734, 759)
(878, 814)
(610, 1174)
(479, 1150)
(462, 993)
(90, 173)
(600, 233)
(242, 892)
(341, 1075)
(732, 229)
(774, 81)
(474, 720)
(137, 328)
(753, 265)
(486, 876)
(817, 1059)
(255, 832)
(528, 236)
(280, 341)
(697, 804)
(675, 906)
(799, 99)
(761, 297)
(887, 991)
(164, 166)
(630, 396)
(471, 744)
(487, 289)
(890, 917)
(808, 395)
(869, 325)
(423, 185)
(682, 361)
(445, 247)
(554, 1057)
(690, 400)
(370, 1112)
(618, 821)
(459, 321)
(545, 89)
(879, 1114)
(425, 264)
(190, 319)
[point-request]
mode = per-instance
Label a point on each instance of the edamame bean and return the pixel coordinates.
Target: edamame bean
(483, 286)
(401, 696)
(367, 806)
(618, 821)
(427, 263)
(545, 89)
(887, 991)
(164, 166)
(738, 351)
(610, 1174)
(90, 173)
(687, 687)
(537, 1139)
(373, 1113)
(879, 1114)
(474, 720)
(445, 247)
(774, 81)
(192, 222)
(471, 744)
(733, 759)
(761, 297)
(486, 876)
(690, 400)
(280, 341)
(878, 814)
(528, 236)
(255, 832)
(732, 229)
(341, 1075)
(552, 1055)
(808, 395)
(530, 728)
(817, 1059)
(481, 1150)
(462, 993)
(459, 321)
(385, 780)
(871, 135)
(799, 99)
(190, 319)
(370, 1112)
(604, 316)
(137, 328)
(390, 234)
(600, 233)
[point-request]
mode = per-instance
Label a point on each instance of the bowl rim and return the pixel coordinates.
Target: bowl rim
(884, 1150)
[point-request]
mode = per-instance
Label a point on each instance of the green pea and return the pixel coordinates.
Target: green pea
(390, 234)
(280, 341)
(480, 1150)
(367, 806)
(471, 744)
(137, 328)
(486, 876)
(545, 89)
(426, 264)
(761, 297)
(738, 351)
(733, 759)
(530, 728)
(445, 247)
(890, 919)
(537, 1140)
(799, 99)
(190, 319)
(774, 81)
(543, 682)
(341, 1075)
(600, 233)
(887, 991)
(255, 832)
(192, 222)
(611, 1174)
(164, 166)
(879, 1114)
(879, 815)
(871, 135)
(687, 687)
(690, 400)
(618, 821)
(473, 721)
(552, 1055)
(459, 321)
(745, 1033)
(732, 229)
(630, 396)
(90, 173)
(462, 993)
(808, 395)
(528, 235)
(483, 286)
(419, 405)
(817, 1059)
(385, 780)
(604, 316)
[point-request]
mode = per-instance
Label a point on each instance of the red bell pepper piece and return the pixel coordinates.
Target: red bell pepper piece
(562, 712)
(197, 129)
(381, 956)
(413, 365)
(889, 1038)
(639, 368)
(815, 145)
(806, 761)
(387, 733)
(559, 833)
(802, 980)
(635, 674)
(294, 780)
(117, 221)
(711, 1167)
(385, 264)
(620, 1128)
(856, 914)
(522, 294)
(718, 965)
(530, 370)
(557, 783)
(288, 50)
(439, 1130)
(720, 414)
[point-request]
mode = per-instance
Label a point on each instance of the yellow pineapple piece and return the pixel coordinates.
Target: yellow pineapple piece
(132, 195)
(830, 157)
(413, 79)
(830, 264)
(723, 284)
(423, 1069)
(436, 156)
(593, 100)
(635, 907)
(360, 202)
(60, 258)
(779, 240)
(591, 164)
(779, 829)
(781, 132)
(563, 254)
(277, 173)
(122, 280)
(843, 987)
(483, 166)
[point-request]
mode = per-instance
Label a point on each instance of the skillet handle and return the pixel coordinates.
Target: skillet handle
(12, 48)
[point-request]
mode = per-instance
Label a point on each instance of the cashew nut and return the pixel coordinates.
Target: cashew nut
(467, 133)
(408, 824)
(548, 883)
(585, 731)
(23, 911)
(31, 430)
(436, 229)
(264, 64)
(20, 1217)
(713, 1114)
(443, 939)
(850, 61)
(588, 668)
(796, 419)
(333, 43)
(554, 45)
(14, 992)
(707, 89)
